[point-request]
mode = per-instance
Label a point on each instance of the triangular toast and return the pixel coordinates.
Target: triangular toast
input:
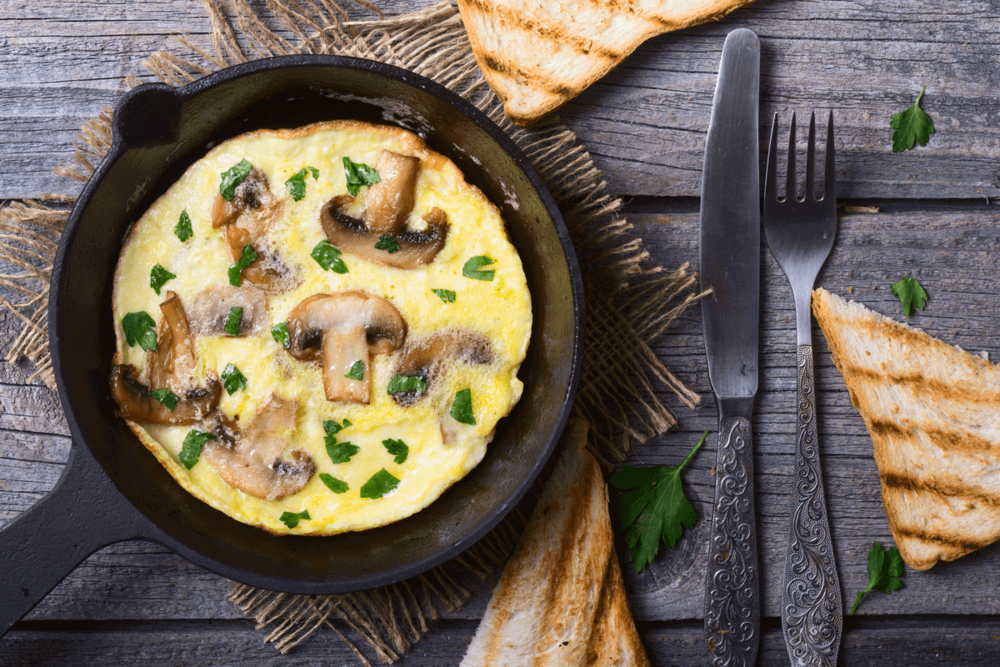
(933, 412)
(561, 599)
(539, 54)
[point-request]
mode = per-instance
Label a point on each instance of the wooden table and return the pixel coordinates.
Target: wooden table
(136, 603)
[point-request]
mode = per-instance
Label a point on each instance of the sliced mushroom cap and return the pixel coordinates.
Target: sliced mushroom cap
(251, 461)
(428, 356)
(136, 404)
(210, 309)
(341, 329)
(390, 201)
(172, 364)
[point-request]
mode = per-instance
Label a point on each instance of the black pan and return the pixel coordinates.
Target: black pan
(114, 490)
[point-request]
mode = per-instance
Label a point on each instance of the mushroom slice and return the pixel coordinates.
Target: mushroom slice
(136, 404)
(172, 364)
(211, 307)
(341, 329)
(248, 219)
(390, 201)
(251, 461)
(428, 356)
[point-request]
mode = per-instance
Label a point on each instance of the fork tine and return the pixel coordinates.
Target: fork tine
(811, 157)
(790, 191)
(830, 186)
(771, 173)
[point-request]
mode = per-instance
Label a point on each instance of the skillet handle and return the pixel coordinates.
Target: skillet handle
(83, 513)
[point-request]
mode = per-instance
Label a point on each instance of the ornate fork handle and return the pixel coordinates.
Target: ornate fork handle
(732, 592)
(812, 610)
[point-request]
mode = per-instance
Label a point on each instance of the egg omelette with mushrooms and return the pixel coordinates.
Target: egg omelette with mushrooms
(318, 329)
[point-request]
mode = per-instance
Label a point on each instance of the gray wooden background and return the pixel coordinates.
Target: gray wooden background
(136, 603)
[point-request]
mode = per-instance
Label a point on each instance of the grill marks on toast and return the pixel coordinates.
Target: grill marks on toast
(931, 410)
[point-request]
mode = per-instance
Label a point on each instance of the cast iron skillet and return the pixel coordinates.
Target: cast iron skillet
(114, 490)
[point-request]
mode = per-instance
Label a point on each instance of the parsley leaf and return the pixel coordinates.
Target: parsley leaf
(233, 321)
(158, 276)
(233, 177)
(397, 448)
(461, 408)
(380, 484)
(358, 174)
(165, 396)
(884, 570)
(386, 242)
(248, 257)
(333, 428)
(334, 484)
(279, 332)
(328, 257)
(291, 519)
(473, 266)
(233, 380)
(340, 452)
(297, 183)
(446, 295)
(400, 383)
(912, 125)
(183, 227)
(654, 508)
(191, 449)
(357, 371)
(140, 329)
(910, 294)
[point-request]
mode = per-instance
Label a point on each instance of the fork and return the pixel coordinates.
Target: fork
(800, 234)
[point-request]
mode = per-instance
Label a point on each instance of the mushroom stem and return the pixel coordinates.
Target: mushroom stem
(390, 201)
(173, 362)
(342, 348)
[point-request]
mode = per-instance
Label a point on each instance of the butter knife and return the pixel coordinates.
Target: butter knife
(730, 266)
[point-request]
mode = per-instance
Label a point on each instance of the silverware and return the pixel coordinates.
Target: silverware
(730, 266)
(800, 234)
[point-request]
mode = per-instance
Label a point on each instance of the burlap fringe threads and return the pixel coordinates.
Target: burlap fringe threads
(630, 300)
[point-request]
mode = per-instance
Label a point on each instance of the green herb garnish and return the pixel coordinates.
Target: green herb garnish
(233, 320)
(191, 449)
(328, 257)
(233, 177)
(334, 484)
(248, 257)
(291, 519)
(446, 295)
(910, 294)
(183, 227)
(461, 407)
(340, 452)
(912, 125)
(333, 428)
(386, 242)
(140, 329)
(655, 507)
(400, 383)
(380, 484)
(884, 570)
(357, 371)
(158, 276)
(473, 266)
(165, 396)
(396, 448)
(297, 183)
(358, 174)
(233, 380)
(279, 332)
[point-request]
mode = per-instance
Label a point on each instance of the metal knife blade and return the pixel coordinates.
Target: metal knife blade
(730, 266)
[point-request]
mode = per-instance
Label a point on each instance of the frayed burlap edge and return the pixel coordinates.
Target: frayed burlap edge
(630, 300)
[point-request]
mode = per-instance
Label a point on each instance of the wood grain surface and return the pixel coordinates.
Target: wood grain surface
(137, 603)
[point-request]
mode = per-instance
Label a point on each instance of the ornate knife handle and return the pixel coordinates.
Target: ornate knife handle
(732, 591)
(812, 611)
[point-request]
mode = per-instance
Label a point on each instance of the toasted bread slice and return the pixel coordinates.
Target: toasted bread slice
(538, 55)
(932, 412)
(561, 599)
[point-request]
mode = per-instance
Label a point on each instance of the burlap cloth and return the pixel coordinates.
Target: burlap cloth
(630, 300)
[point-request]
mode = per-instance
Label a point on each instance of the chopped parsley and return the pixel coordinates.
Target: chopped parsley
(280, 334)
(191, 449)
(446, 295)
(461, 408)
(140, 329)
(183, 227)
(333, 428)
(233, 320)
(233, 177)
(165, 396)
(291, 519)
(358, 175)
(380, 484)
(248, 257)
(158, 276)
(400, 383)
(340, 452)
(233, 380)
(297, 183)
(386, 242)
(357, 371)
(884, 570)
(912, 126)
(397, 448)
(911, 295)
(334, 484)
(472, 268)
(328, 257)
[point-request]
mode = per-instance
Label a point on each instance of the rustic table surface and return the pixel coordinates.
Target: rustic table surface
(137, 603)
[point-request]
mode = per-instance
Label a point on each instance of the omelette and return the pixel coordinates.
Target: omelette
(318, 329)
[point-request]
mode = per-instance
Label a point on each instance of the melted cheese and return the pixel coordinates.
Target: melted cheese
(499, 309)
